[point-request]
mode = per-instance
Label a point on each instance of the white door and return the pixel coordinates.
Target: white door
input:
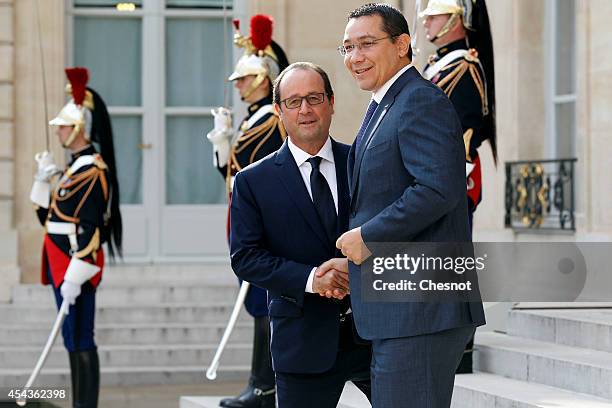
(159, 65)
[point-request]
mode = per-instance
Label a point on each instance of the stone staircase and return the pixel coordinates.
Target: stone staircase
(559, 358)
(155, 324)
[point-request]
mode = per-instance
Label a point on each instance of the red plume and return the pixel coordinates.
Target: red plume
(261, 31)
(236, 23)
(78, 78)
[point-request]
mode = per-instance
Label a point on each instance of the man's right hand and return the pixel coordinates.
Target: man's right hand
(331, 279)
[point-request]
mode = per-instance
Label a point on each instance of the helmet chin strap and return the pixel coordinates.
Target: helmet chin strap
(254, 85)
(444, 30)
(73, 135)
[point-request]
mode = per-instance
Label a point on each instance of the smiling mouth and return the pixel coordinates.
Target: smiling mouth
(361, 71)
(307, 122)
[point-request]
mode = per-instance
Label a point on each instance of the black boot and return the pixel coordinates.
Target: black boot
(465, 365)
(85, 375)
(260, 392)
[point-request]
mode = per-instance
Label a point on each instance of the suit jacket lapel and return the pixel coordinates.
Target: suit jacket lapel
(292, 180)
(377, 118)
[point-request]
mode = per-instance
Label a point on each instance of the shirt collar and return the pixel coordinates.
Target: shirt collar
(380, 94)
(301, 156)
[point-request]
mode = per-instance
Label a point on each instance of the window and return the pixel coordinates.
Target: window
(561, 78)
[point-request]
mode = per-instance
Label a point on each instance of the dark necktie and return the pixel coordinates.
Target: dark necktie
(364, 125)
(323, 199)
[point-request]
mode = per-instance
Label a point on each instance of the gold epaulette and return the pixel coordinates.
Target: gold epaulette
(458, 68)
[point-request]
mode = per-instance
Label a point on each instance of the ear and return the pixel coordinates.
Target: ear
(403, 44)
(277, 109)
(331, 102)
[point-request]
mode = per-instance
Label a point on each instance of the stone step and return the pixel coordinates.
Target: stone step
(483, 390)
(24, 357)
(153, 313)
(588, 328)
(139, 333)
(126, 376)
(214, 273)
(574, 369)
(135, 294)
(351, 398)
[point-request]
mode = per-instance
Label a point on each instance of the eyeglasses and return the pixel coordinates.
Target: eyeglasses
(312, 99)
(362, 45)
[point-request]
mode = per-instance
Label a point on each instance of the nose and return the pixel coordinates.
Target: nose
(355, 56)
(305, 107)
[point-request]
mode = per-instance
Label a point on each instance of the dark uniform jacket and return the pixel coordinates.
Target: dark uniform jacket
(463, 81)
(80, 198)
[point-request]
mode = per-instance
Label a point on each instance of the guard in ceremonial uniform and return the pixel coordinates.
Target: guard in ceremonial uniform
(79, 214)
(259, 134)
(463, 68)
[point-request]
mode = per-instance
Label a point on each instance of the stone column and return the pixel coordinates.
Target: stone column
(30, 118)
(9, 273)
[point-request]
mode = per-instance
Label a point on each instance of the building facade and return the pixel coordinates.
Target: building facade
(160, 65)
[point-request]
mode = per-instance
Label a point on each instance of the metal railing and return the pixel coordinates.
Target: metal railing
(540, 195)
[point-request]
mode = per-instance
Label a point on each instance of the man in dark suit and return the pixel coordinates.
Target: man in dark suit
(287, 211)
(407, 183)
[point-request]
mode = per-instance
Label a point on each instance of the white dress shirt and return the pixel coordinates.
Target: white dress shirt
(327, 168)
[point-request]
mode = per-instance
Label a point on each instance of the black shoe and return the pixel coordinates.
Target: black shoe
(251, 397)
(85, 376)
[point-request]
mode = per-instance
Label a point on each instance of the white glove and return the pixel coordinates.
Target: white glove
(221, 135)
(70, 291)
(46, 167)
(41, 189)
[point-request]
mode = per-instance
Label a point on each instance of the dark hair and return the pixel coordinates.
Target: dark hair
(303, 66)
(394, 22)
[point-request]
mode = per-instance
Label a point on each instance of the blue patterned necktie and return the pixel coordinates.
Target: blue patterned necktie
(364, 125)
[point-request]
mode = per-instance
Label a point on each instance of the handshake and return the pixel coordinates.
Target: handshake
(331, 279)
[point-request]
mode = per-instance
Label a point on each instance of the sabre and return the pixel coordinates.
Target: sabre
(211, 373)
(61, 315)
(42, 66)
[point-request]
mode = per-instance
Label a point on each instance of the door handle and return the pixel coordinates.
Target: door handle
(143, 146)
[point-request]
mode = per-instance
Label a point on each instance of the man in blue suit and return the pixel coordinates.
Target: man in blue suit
(287, 211)
(407, 184)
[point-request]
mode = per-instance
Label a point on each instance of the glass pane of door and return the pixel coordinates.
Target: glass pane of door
(190, 175)
(111, 49)
(195, 73)
(127, 132)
